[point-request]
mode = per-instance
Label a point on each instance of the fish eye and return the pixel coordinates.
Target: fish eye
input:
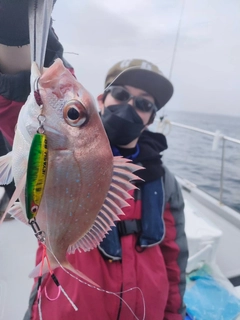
(74, 113)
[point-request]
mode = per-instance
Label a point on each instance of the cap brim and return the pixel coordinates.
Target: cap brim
(155, 84)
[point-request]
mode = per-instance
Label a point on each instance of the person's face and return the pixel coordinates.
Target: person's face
(109, 101)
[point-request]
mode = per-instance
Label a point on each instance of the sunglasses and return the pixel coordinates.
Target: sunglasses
(140, 103)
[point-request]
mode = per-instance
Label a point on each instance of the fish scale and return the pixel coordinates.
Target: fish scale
(85, 185)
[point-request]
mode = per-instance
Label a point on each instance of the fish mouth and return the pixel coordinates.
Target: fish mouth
(53, 131)
(57, 139)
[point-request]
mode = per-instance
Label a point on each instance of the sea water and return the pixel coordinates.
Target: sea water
(191, 155)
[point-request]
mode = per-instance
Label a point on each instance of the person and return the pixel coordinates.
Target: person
(15, 61)
(15, 64)
(140, 265)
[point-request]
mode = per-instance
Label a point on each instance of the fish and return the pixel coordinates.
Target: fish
(86, 187)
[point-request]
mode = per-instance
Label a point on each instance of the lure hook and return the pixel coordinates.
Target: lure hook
(39, 234)
(41, 119)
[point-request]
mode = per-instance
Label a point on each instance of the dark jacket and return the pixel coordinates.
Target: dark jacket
(15, 88)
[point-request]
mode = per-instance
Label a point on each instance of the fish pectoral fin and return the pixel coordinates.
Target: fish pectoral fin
(16, 211)
(65, 265)
(6, 175)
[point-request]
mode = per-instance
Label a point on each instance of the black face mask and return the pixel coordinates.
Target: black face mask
(122, 124)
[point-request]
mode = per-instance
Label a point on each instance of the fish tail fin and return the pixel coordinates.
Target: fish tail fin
(65, 264)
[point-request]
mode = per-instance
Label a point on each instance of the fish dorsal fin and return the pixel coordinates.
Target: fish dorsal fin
(111, 208)
(6, 175)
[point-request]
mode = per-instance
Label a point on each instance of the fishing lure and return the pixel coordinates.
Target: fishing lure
(36, 174)
(36, 177)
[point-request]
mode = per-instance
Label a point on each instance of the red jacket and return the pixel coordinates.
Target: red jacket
(155, 272)
(14, 90)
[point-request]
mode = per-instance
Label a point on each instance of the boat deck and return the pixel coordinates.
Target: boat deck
(17, 251)
(225, 219)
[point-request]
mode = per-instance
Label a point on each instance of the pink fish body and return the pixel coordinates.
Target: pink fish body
(85, 185)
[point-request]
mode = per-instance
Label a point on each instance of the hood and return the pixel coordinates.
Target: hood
(151, 144)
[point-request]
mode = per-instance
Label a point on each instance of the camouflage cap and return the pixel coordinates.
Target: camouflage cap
(143, 75)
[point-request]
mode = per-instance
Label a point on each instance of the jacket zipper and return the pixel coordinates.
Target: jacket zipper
(120, 305)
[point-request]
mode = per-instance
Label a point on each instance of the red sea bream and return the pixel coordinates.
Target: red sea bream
(85, 185)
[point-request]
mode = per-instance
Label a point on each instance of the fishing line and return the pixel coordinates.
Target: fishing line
(55, 280)
(174, 51)
(35, 31)
(39, 308)
(49, 248)
(116, 294)
(52, 299)
(42, 237)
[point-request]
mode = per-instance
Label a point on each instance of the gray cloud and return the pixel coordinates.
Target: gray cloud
(206, 65)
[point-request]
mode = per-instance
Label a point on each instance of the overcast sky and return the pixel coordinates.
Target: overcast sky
(206, 63)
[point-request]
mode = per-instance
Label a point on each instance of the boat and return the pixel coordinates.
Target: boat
(18, 247)
(210, 208)
(213, 232)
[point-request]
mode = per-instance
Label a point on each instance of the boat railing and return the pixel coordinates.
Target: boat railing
(164, 126)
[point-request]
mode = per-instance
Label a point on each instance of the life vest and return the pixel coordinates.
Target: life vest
(150, 228)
